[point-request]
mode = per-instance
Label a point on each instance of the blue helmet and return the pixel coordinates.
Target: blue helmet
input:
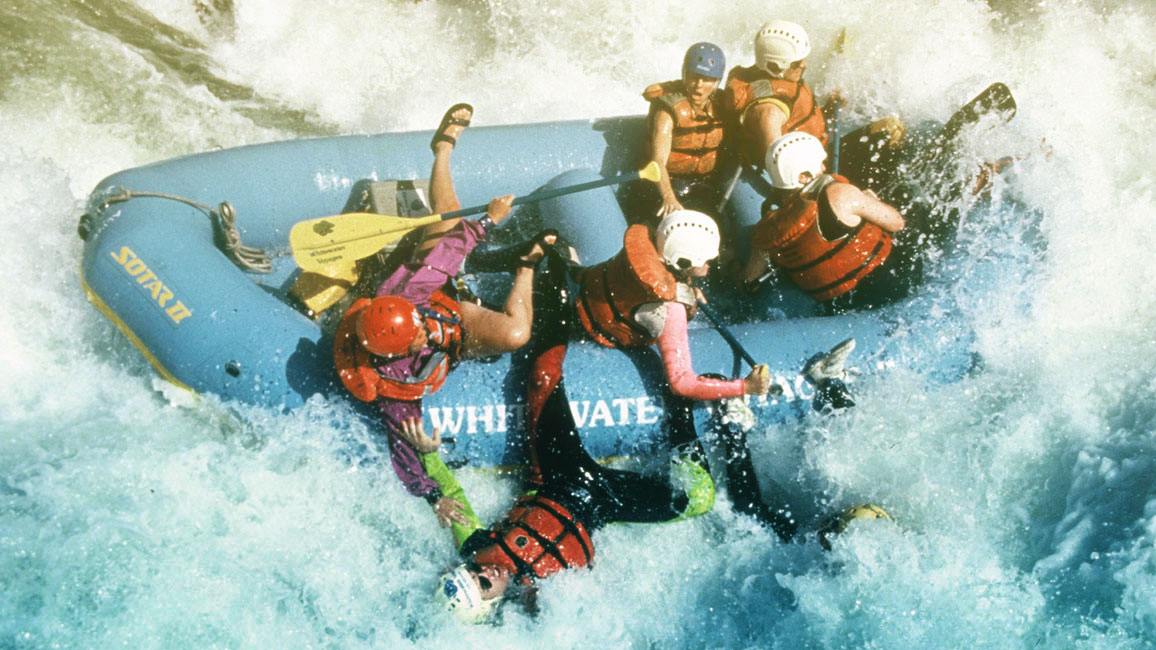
(705, 59)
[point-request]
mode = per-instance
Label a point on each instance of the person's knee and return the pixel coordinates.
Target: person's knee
(512, 338)
(697, 484)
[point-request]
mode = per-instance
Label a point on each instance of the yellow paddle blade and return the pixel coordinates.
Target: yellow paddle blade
(329, 242)
(322, 289)
(651, 172)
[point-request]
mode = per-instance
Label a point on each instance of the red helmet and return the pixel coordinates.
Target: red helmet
(388, 325)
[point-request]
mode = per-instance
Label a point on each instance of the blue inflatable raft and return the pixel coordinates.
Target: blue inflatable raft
(154, 267)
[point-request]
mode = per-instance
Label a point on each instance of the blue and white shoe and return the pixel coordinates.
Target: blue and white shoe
(829, 365)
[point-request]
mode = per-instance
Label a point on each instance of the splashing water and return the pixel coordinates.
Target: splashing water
(132, 516)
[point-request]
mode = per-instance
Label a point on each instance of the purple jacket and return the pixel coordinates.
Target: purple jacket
(416, 282)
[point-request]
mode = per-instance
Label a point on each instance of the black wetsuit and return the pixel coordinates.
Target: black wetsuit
(743, 485)
(561, 468)
(594, 494)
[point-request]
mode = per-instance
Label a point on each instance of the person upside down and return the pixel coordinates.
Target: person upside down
(396, 349)
(731, 420)
(570, 495)
(549, 528)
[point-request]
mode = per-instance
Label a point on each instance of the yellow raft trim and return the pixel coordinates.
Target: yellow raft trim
(112, 316)
(103, 308)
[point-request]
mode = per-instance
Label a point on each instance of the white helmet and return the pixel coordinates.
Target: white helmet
(791, 155)
(780, 42)
(460, 594)
(687, 235)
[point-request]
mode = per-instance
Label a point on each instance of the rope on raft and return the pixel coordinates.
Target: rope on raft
(225, 234)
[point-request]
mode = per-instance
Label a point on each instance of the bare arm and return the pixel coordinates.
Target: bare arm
(764, 124)
(852, 204)
(498, 209)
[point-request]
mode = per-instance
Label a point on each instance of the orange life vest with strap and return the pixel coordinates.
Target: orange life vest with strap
(538, 538)
(696, 136)
(749, 86)
(357, 366)
(821, 267)
(611, 291)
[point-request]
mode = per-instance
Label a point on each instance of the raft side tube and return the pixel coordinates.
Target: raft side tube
(274, 185)
(155, 270)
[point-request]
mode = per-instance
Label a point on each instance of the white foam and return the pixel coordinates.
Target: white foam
(1025, 510)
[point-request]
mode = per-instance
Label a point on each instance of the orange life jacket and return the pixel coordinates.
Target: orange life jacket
(357, 366)
(538, 538)
(749, 86)
(696, 136)
(821, 267)
(611, 291)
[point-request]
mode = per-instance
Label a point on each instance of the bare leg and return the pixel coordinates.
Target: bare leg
(490, 332)
(443, 197)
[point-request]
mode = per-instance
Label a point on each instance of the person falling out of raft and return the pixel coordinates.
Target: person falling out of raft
(686, 131)
(833, 239)
(570, 496)
(768, 99)
(399, 347)
(732, 418)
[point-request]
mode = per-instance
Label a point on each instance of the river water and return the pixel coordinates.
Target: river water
(1024, 493)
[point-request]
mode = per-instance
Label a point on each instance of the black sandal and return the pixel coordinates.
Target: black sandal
(511, 258)
(449, 120)
(538, 240)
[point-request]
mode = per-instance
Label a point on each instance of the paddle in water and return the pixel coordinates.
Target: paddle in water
(995, 98)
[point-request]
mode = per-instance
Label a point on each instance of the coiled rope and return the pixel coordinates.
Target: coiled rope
(223, 218)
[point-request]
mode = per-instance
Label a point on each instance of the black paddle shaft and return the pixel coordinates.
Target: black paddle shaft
(549, 194)
(726, 334)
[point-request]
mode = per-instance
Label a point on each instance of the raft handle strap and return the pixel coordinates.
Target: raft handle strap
(225, 234)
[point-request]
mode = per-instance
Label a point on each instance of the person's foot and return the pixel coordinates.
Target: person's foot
(839, 522)
(829, 365)
(535, 249)
(527, 254)
(453, 123)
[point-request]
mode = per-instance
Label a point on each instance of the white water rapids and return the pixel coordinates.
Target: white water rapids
(1025, 493)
